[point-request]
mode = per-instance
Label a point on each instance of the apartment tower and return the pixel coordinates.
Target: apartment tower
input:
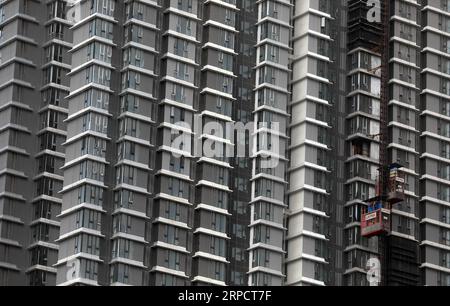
(34, 39)
(142, 203)
(316, 150)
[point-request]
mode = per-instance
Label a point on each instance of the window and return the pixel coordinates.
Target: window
(219, 271)
(90, 194)
(221, 176)
(185, 5)
(168, 280)
(177, 115)
(38, 278)
(87, 244)
(445, 236)
(261, 279)
(238, 254)
(126, 150)
(105, 7)
(221, 199)
(46, 163)
(93, 146)
(90, 269)
(138, 58)
(172, 210)
(183, 25)
(229, 17)
(240, 207)
(225, 84)
(261, 258)
(444, 279)
(445, 107)
(129, 103)
(173, 260)
(46, 186)
(123, 199)
(445, 215)
(444, 128)
(265, 211)
(218, 246)
(445, 259)
(43, 209)
(218, 222)
(39, 256)
(171, 234)
(88, 219)
(273, 54)
(261, 234)
(446, 87)
(237, 278)
(445, 150)
(241, 184)
(178, 93)
(2, 13)
(239, 231)
(264, 188)
(128, 127)
(122, 223)
(119, 274)
(40, 232)
(228, 39)
(99, 27)
(92, 170)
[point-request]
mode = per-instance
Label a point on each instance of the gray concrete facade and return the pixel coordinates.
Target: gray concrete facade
(34, 40)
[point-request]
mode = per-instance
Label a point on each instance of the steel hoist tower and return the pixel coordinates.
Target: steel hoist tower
(376, 217)
(390, 186)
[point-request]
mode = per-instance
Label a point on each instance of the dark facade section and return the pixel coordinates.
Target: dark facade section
(403, 262)
(361, 32)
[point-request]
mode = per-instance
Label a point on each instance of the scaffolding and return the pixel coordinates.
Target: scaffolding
(398, 256)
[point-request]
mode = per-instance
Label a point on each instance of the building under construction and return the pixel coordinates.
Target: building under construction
(378, 78)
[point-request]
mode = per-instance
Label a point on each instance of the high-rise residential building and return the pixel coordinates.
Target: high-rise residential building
(382, 130)
(34, 63)
(432, 109)
(51, 133)
(222, 142)
(316, 151)
(269, 152)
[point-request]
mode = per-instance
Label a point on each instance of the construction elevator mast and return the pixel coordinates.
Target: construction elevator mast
(395, 253)
(370, 29)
